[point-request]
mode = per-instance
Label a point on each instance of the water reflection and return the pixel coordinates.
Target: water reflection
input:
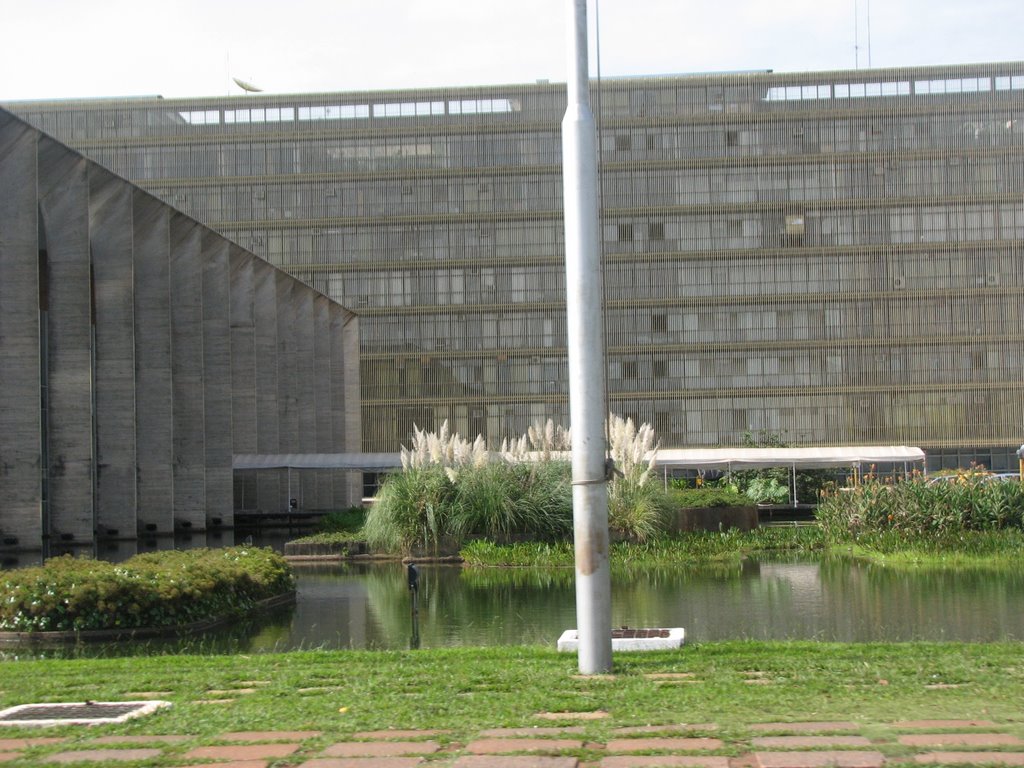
(369, 606)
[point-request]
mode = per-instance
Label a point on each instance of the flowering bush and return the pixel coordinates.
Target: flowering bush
(159, 589)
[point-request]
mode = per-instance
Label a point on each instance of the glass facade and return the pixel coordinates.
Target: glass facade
(833, 256)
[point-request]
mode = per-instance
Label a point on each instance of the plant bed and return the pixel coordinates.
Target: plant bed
(156, 592)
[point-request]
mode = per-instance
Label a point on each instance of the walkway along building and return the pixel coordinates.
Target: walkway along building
(835, 256)
(140, 350)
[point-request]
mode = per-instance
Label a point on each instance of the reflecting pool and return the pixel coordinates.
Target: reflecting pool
(370, 607)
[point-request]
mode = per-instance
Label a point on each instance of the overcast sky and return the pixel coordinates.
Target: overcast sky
(85, 48)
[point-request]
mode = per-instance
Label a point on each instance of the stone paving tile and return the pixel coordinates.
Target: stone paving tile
(363, 762)
(215, 701)
(668, 761)
(6, 744)
(971, 758)
(808, 726)
(498, 746)
(229, 691)
(664, 744)
(8, 756)
(148, 694)
(851, 759)
(944, 724)
(380, 748)
(594, 715)
(232, 764)
(810, 742)
(960, 740)
(535, 731)
(397, 734)
(138, 739)
(101, 755)
(268, 735)
(667, 728)
(243, 752)
(515, 761)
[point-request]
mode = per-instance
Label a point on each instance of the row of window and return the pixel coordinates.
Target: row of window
(812, 419)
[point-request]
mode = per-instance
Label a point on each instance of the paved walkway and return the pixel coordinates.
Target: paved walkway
(559, 741)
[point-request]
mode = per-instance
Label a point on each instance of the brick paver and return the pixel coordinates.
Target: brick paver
(851, 759)
(668, 761)
(243, 751)
(139, 739)
(532, 731)
(667, 728)
(810, 742)
(380, 748)
(808, 726)
(960, 740)
(268, 735)
(363, 762)
(676, 744)
(971, 758)
(8, 756)
(593, 715)
(7, 744)
(398, 734)
(232, 764)
(101, 755)
(515, 761)
(500, 746)
(901, 724)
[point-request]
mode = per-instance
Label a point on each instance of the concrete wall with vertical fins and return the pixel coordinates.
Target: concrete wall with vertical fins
(20, 348)
(139, 351)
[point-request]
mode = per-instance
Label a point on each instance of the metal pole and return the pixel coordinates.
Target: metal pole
(587, 409)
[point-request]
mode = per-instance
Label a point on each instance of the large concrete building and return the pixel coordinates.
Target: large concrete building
(834, 256)
(140, 351)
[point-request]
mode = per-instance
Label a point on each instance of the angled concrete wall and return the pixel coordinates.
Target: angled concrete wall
(139, 350)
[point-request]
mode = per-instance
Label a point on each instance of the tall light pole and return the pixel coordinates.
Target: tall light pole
(584, 308)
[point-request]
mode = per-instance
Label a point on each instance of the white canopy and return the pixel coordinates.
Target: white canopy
(367, 462)
(804, 458)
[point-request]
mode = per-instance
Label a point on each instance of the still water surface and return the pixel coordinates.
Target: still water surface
(369, 606)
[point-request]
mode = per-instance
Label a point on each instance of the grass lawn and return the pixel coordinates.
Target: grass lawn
(468, 689)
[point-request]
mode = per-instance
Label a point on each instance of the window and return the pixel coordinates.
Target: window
(659, 323)
(630, 369)
(656, 231)
(623, 142)
(660, 369)
(625, 233)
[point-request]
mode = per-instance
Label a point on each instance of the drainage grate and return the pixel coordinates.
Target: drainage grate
(627, 633)
(78, 713)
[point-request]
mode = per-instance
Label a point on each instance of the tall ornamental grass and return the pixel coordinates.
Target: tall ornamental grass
(916, 511)
(451, 490)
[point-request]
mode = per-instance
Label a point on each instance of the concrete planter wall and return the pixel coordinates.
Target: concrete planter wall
(713, 518)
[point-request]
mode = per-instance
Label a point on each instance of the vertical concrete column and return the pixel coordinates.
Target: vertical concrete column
(243, 372)
(305, 388)
(345, 398)
(217, 378)
(154, 391)
(20, 371)
(64, 210)
(287, 381)
(186, 281)
(110, 213)
(269, 491)
(323, 422)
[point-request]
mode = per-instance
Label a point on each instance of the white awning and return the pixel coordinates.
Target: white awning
(366, 462)
(805, 458)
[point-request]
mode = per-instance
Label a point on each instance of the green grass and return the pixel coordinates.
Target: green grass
(465, 690)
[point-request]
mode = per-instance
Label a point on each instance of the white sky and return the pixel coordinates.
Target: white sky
(85, 48)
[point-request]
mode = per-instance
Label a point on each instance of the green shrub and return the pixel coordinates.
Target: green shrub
(767, 490)
(915, 509)
(707, 497)
(349, 520)
(159, 589)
